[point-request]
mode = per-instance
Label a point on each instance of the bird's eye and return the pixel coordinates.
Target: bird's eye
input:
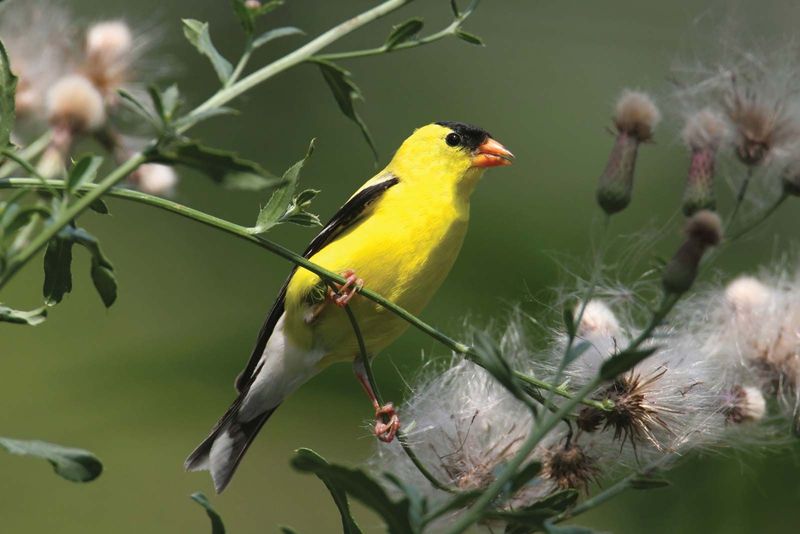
(453, 139)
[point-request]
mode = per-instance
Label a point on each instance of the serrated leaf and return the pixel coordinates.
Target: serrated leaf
(223, 167)
(346, 92)
(76, 465)
(217, 526)
(31, 318)
(198, 35)
(83, 172)
(282, 199)
(101, 271)
(8, 86)
(403, 32)
(625, 360)
(469, 37)
(277, 33)
(360, 486)
(57, 270)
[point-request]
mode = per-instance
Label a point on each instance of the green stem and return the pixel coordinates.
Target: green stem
(446, 32)
(760, 219)
(27, 153)
(237, 71)
(68, 214)
(300, 55)
(557, 390)
(740, 198)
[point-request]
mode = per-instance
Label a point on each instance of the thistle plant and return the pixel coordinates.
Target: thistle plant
(521, 428)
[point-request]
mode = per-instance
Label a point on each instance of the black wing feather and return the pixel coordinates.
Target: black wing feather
(347, 215)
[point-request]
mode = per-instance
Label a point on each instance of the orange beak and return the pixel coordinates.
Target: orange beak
(491, 154)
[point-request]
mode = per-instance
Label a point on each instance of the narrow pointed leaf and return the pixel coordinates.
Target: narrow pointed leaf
(57, 270)
(277, 33)
(197, 33)
(403, 32)
(132, 103)
(32, 317)
(8, 86)
(646, 482)
(619, 363)
(490, 358)
(83, 172)
(470, 38)
(282, 199)
(346, 92)
(217, 526)
(75, 465)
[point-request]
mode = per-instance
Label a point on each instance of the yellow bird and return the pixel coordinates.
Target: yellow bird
(401, 232)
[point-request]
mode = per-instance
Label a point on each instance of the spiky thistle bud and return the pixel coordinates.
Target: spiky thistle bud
(703, 133)
(75, 104)
(703, 230)
(745, 404)
(635, 117)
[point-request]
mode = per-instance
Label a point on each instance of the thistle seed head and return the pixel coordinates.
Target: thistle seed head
(636, 115)
(705, 129)
(745, 404)
(569, 467)
(760, 124)
(747, 295)
(597, 319)
(73, 102)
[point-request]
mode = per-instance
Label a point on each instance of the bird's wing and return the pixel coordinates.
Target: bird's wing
(347, 215)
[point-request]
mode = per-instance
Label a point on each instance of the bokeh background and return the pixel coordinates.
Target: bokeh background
(141, 384)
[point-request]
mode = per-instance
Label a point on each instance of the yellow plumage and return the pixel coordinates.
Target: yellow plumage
(400, 233)
(403, 248)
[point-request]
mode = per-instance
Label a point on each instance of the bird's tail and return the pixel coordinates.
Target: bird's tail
(223, 449)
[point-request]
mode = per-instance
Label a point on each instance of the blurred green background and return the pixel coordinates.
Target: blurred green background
(142, 383)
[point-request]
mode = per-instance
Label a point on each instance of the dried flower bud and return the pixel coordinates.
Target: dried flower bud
(703, 230)
(761, 125)
(703, 133)
(745, 404)
(155, 179)
(74, 103)
(589, 419)
(569, 467)
(635, 118)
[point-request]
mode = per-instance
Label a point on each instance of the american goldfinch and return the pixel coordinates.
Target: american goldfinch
(400, 232)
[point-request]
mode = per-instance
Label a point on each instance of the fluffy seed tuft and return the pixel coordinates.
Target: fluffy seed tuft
(705, 227)
(745, 404)
(636, 114)
(74, 102)
(705, 129)
(155, 179)
(747, 294)
(107, 41)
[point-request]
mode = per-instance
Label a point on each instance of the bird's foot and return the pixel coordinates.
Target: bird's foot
(386, 423)
(341, 297)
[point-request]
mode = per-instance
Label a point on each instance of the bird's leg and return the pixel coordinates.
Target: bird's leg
(386, 421)
(345, 292)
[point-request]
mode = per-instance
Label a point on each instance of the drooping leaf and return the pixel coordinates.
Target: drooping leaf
(277, 33)
(57, 270)
(32, 317)
(360, 486)
(76, 465)
(349, 525)
(417, 503)
(83, 172)
(217, 526)
(469, 37)
(225, 168)
(490, 358)
(8, 86)
(625, 360)
(197, 33)
(346, 92)
(283, 199)
(102, 271)
(403, 32)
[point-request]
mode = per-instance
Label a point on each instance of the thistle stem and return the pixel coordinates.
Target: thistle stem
(27, 153)
(740, 198)
(766, 214)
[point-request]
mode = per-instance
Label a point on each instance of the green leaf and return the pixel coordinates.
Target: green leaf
(76, 465)
(490, 358)
(403, 32)
(132, 103)
(469, 37)
(454, 7)
(417, 504)
(550, 528)
(568, 313)
(8, 86)
(32, 317)
(576, 351)
(346, 92)
(349, 525)
(15, 218)
(193, 118)
(83, 172)
(283, 204)
(57, 270)
(217, 527)
(197, 33)
(360, 486)
(99, 206)
(102, 272)
(287, 530)
(525, 475)
(277, 33)
(532, 518)
(223, 167)
(619, 363)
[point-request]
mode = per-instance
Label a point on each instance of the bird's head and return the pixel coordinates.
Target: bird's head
(453, 150)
